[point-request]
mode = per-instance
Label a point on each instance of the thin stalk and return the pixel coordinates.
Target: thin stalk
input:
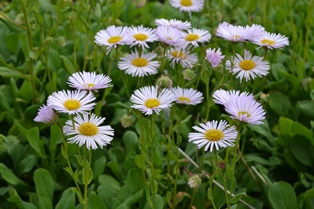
(223, 177)
(152, 157)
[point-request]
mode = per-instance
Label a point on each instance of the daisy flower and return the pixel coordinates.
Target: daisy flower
(195, 36)
(188, 5)
(183, 57)
(245, 109)
(71, 102)
(222, 96)
(187, 96)
(254, 31)
(142, 36)
(148, 100)
(214, 57)
(213, 135)
(178, 24)
(248, 67)
(46, 115)
(89, 81)
(232, 33)
(169, 35)
(87, 130)
(271, 40)
(139, 65)
(113, 36)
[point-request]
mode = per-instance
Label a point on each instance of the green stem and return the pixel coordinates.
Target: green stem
(153, 141)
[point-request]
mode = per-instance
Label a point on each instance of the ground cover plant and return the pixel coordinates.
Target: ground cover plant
(156, 104)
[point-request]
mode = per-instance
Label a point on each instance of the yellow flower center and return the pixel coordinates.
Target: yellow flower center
(247, 64)
(268, 42)
(140, 62)
(184, 99)
(114, 39)
(186, 3)
(214, 135)
(140, 36)
(72, 104)
(88, 129)
(151, 103)
(178, 54)
(90, 85)
(244, 113)
(237, 37)
(192, 37)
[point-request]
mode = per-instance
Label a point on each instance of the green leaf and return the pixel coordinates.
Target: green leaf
(26, 164)
(110, 182)
(67, 200)
(10, 177)
(87, 175)
(99, 166)
(15, 198)
(44, 185)
(68, 65)
(298, 128)
(279, 103)
(159, 204)
(140, 162)
(94, 202)
(114, 167)
(131, 200)
(7, 72)
(135, 180)
(282, 195)
(236, 198)
(302, 150)
(35, 142)
(285, 126)
(130, 140)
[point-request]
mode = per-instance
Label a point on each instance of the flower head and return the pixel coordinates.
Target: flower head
(189, 74)
(271, 40)
(232, 33)
(178, 24)
(87, 130)
(113, 36)
(187, 96)
(214, 57)
(248, 67)
(194, 37)
(254, 31)
(169, 35)
(71, 102)
(182, 56)
(213, 135)
(142, 35)
(245, 109)
(188, 5)
(222, 96)
(148, 100)
(139, 65)
(89, 81)
(46, 115)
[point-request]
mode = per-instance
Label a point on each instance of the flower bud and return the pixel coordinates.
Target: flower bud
(126, 120)
(20, 19)
(46, 115)
(61, 42)
(189, 75)
(164, 82)
(195, 181)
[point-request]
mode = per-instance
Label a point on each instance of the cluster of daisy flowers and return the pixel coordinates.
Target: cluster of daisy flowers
(85, 127)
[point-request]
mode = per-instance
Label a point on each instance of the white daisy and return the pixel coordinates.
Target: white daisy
(245, 109)
(188, 5)
(46, 115)
(222, 96)
(271, 40)
(169, 35)
(71, 102)
(142, 35)
(89, 81)
(178, 24)
(213, 135)
(187, 96)
(148, 100)
(139, 66)
(248, 67)
(232, 33)
(195, 36)
(113, 36)
(254, 31)
(214, 57)
(183, 57)
(87, 130)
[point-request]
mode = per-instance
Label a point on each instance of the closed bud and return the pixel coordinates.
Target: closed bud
(164, 82)
(189, 75)
(126, 120)
(61, 42)
(20, 19)
(139, 3)
(195, 181)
